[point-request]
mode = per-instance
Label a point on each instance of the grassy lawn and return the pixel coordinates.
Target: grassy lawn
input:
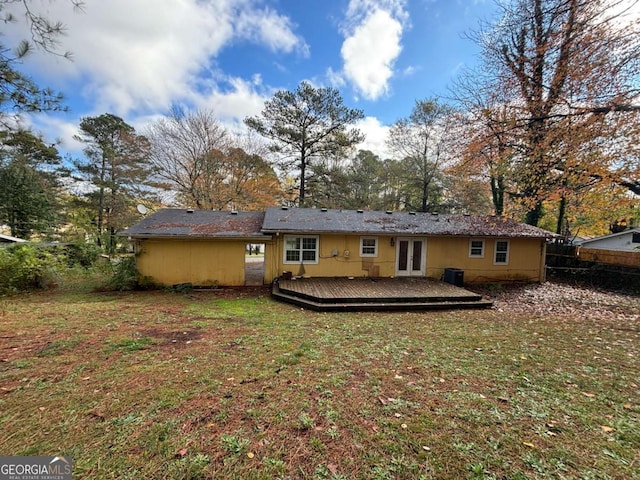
(230, 384)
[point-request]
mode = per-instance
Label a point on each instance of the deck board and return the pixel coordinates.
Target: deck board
(378, 293)
(366, 288)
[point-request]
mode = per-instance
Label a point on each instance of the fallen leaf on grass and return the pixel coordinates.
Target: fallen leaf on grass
(528, 444)
(627, 406)
(588, 394)
(250, 454)
(182, 452)
(42, 409)
(332, 468)
(606, 428)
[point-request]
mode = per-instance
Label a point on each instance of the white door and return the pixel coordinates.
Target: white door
(410, 257)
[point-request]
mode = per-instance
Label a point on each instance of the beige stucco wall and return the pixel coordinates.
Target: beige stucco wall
(200, 262)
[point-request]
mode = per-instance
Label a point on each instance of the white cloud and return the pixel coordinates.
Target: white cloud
(233, 104)
(336, 79)
(373, 33)
(358, 10)
(376, 137)
(137, 56)
(623, 13)
(60, 131)
(410, 70)
(275, 31)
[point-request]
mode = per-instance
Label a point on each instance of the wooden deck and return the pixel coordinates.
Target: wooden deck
(343, 294)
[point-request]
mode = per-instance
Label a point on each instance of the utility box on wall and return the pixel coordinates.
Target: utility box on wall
(454, 276)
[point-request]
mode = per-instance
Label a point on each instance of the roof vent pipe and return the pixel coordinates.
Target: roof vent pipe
(190, 210)
(234, 212)
(323, 209)
(389, 212)
(284, 208)
(360, 211)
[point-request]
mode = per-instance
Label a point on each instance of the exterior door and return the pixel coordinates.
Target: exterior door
(410, 257)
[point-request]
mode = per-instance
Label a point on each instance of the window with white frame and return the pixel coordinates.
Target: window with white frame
(501, 254)
(368, 246)
(301, 249)
(476, 248)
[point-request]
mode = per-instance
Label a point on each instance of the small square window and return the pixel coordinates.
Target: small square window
(501, 252)
(476, 248)
(368, 247)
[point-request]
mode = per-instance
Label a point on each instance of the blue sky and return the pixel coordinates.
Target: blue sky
(135, 58)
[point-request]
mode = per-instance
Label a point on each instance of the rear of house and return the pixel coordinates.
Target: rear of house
(207, 248)
(356, 243)
(200, 247)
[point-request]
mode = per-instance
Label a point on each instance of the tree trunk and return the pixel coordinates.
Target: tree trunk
(497, 194)
(303, 170)
(562, 211)
(534, 215)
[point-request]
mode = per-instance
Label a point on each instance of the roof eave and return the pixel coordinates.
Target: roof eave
(195, 237)
(408, 234)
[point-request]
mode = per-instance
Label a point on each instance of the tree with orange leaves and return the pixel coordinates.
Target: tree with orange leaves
(554, 103)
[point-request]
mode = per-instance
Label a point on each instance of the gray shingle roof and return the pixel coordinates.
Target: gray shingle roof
(198, 224)
(315, 220)
(181, 223)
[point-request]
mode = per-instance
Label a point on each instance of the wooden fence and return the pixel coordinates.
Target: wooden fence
(609, 257)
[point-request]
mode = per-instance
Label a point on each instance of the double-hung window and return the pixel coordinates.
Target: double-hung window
(301, 249)
(501, 253)
(368, 247)
(476, 248)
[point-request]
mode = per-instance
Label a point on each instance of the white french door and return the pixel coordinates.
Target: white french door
(410, 257)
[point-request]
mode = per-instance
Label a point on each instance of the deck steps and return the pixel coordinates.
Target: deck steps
(341, 294)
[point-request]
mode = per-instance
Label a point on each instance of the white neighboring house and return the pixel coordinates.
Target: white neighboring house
(627, 241)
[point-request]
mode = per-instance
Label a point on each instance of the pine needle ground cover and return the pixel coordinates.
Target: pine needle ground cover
(230, 384)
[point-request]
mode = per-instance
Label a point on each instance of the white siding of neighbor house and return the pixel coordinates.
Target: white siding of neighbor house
(621, 242)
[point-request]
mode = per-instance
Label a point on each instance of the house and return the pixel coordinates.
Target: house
(621, 248)
(200, 247)
(208, 248)
(625, 241)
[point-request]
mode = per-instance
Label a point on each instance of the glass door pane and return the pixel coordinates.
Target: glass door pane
(403, 255)
(416, 260)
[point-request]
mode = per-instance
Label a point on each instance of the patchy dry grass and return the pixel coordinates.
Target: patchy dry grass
(229, 384)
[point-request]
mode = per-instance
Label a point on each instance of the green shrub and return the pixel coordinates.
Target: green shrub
(25, 267)
(83, 254)
(125, 275)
